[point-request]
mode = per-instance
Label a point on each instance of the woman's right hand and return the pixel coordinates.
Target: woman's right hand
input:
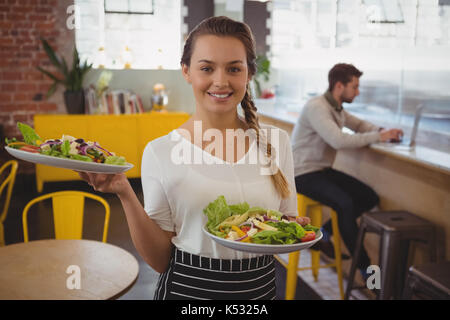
(108, 183)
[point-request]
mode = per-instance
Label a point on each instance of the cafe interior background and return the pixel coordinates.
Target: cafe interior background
(402, 46)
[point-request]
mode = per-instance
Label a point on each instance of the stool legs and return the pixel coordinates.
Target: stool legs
(337, 251)
(355, 259)
(316, 220)
(2, 235)
(390, 250)
(291, 277)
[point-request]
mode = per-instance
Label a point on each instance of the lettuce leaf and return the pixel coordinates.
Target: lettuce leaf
(29, 135)
(273, 237)
(239, 208)
(120, 161)
(217, 211)
(287, 233)
(81, 157)
(309, 227)
(65, 148)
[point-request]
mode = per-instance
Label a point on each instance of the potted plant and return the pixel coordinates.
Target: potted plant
(72, 78)
(263, 71)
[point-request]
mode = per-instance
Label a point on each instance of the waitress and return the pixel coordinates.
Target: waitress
(218, 61)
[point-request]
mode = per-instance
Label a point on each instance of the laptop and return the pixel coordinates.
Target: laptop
(406, 144)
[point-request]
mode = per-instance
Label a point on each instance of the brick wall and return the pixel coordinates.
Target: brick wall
(22, 87)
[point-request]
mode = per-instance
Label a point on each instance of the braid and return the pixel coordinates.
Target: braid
(251, 118)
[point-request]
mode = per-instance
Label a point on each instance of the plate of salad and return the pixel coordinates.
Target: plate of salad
(257, 229)
(67, 152)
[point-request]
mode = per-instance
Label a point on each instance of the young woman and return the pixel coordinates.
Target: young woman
(218, 61)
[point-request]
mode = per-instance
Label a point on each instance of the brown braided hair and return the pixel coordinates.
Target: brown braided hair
(224, 26)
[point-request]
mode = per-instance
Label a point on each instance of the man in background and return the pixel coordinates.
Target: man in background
(315, 140)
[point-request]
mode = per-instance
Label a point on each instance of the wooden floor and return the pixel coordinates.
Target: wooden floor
(40, 222)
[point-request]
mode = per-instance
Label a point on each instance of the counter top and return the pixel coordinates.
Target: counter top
(430, 158)
(433, 159)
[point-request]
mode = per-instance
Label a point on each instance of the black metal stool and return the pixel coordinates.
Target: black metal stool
(396, 230)
(428, 281)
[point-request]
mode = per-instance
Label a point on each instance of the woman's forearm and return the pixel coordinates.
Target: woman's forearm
(152, 243)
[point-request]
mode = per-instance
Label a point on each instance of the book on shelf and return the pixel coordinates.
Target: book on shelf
(113, 102)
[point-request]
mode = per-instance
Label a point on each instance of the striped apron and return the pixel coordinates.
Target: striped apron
(196, 277)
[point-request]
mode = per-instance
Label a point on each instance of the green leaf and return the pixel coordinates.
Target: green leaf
(51, 53)
(239, 208)
(76, 60)
(216, 212)
(116, 160)
(50, 75)
(64, 68)
(29, 135)
(52, 89)
(65, 148)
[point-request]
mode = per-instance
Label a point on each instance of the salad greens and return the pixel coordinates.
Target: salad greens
(67, 147)
(240, 222)
(29, 135)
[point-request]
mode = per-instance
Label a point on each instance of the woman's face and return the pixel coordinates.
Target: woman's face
(218, 73)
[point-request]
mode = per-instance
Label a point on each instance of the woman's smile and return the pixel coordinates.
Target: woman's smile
(220, 96)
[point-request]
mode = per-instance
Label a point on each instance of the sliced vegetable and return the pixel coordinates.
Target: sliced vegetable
(243, 236)
(310, 235)
(29, 149)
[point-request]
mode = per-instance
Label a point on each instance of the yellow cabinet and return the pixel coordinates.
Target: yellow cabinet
(125, 135)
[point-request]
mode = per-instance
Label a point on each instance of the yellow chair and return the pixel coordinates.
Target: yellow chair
(68, 209)
(9, 181)
(315, 209)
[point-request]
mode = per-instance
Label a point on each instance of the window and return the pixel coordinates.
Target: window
(129, 6)
(137, 34)
(403, 54)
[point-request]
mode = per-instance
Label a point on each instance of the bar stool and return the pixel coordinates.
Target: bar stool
(396, 230)
(428, 281)
(315, 209)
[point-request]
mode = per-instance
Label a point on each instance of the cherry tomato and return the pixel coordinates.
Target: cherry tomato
(245, 228)
(308, 237)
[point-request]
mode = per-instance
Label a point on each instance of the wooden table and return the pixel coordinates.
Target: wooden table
(42, 270)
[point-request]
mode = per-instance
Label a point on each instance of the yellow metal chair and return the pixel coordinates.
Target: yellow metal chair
(315, 211)
(68, 210)
(7, 184)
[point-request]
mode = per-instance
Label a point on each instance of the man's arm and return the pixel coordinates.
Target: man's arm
(361, 126)
(325, 125)
(358, 125)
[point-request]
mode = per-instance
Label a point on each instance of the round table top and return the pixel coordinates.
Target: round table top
(65, 270)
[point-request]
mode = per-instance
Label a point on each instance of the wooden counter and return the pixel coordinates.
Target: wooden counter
(417, 181)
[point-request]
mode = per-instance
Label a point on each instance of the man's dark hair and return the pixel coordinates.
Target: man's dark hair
(343, 73)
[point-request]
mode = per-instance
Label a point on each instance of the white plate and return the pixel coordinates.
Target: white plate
(68, 163)
(263, 248)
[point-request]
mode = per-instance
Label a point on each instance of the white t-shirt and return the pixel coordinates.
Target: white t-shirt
(176, 191)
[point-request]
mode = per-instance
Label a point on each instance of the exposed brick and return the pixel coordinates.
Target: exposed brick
(21, 118)
(22, 86)
(11, 75)
(5, 98)
(5, 119)
(11, 87)
(26, 87)
(21, 96)
(47, 106)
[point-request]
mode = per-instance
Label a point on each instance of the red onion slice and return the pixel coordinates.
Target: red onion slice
(241, 238)
(98, 146)
(266, 218)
